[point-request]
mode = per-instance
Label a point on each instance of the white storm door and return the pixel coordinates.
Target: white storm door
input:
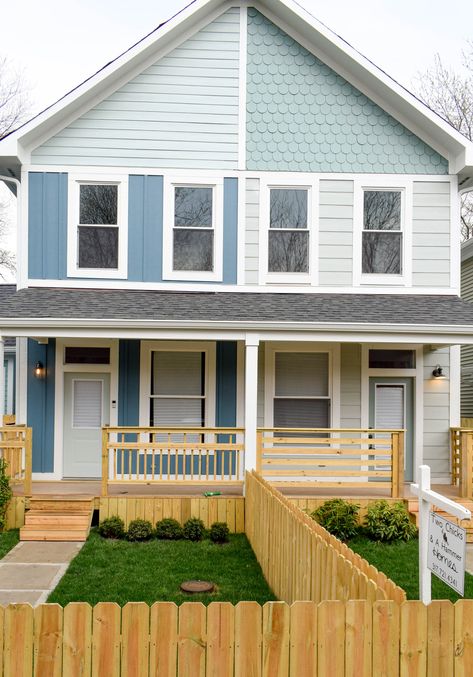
(86, 410)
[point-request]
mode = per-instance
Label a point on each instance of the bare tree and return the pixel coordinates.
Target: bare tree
(14, 107)
(450, 94)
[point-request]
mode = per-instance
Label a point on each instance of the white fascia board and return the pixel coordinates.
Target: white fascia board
(374, 82)
(113, 75)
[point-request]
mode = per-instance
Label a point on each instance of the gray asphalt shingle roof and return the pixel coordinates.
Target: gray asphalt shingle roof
(240, 307)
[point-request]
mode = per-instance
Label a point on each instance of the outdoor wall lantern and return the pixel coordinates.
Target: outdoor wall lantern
(39, 370)
(437, 372)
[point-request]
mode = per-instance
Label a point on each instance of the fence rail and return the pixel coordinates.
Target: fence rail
(300, 559)
(461, 450)
(332, 457)
(15, 449)
(165, 455)
(332, 639)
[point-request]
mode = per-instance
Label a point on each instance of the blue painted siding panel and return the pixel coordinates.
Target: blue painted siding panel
(230, 230)
(180, 112)
(302, 116)
(129, 383)
(226, 383)
(145, 228)
(47, 225)
(40, 404)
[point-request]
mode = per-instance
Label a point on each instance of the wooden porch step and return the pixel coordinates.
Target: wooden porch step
(57, 519)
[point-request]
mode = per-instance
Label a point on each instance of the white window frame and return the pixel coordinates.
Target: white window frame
(333, 352)
(169, 185)
(312, 188)
(147, 349)
(381, 184)
(74, 183)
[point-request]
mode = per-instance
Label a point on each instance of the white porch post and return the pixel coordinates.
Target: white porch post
(251, 400)
(2, 380)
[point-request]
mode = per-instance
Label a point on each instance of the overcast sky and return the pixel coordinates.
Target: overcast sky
(59, 43)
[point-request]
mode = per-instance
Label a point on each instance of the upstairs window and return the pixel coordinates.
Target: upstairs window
(193, 224)
(97, 234)
(382, 235)
(288, 237)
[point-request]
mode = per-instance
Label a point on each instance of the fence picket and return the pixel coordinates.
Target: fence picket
(303, 639)
(413, 640)
(192, 640)
(106, 622)
(386, 637)
(440, 635)
(135, 639)
(48, 633)
(220, 639)
(163, 639)
(331, 638)
(463, 637)
(77, 640)
(248, 639)
(275, 639)
(358, 638)
(18, 641)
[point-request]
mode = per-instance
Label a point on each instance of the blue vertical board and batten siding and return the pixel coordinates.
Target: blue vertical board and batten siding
(47, 225)
(41, 402)
(129, 383)
(304, 117)
(47, 207)
(181, 112)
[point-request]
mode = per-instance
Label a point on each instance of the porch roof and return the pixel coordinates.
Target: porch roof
(43, 307)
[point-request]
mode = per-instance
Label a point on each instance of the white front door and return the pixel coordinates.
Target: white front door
(86, 410)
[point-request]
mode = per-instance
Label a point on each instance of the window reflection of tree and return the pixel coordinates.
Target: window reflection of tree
(98, 204)
(288, 250)
(193, 247)
(382, 250)
(98, 246)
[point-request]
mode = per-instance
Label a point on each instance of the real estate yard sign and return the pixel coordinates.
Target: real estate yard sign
(446, 552)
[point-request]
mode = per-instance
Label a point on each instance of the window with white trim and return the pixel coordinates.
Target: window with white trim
(382, 235)
(301, 390)
(193, 225)
(97, 233)
(288, 233)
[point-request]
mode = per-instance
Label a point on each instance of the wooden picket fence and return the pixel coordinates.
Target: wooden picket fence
(357, 638)
(300, 559)
(16, 450)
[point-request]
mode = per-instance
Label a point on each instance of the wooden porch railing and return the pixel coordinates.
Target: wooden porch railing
(332, 457)
(461, 450)
(16, 450)
(181, 455)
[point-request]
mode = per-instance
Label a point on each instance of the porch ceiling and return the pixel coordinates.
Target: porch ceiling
(37, 311)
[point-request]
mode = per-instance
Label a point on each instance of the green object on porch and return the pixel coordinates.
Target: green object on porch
(212, 493)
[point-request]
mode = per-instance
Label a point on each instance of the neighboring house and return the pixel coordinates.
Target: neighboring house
(238, 222)
(467, 351)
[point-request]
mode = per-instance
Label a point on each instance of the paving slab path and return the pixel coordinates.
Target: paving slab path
(32, 569)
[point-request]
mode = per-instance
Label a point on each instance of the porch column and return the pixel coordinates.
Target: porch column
(251, 400)
(2, 380)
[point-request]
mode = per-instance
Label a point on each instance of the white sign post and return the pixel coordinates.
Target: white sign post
(427, 498)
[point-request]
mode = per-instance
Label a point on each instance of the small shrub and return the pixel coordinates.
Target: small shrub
(194, 529)
(139, 530)
(219, 532)
(388, 522)
(5, 493)
(169, 529)
(339, 517)
(112, 527)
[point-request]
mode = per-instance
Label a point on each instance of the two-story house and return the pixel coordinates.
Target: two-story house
(240, 222)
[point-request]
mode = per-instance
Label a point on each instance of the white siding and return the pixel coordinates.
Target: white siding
(180, 112)
(252, 231)
(336, 233)
(431, 234)
(437, 414)
(260, 407)
(350, 386)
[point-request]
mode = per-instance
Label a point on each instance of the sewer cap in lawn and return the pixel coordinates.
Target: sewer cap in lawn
(197, 586)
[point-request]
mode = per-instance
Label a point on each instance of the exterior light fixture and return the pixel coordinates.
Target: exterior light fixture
(39, 369)
(437, 372)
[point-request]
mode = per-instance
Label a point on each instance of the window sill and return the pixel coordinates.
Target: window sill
(98, 273)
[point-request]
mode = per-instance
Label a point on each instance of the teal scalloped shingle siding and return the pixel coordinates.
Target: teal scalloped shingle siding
(302, 116)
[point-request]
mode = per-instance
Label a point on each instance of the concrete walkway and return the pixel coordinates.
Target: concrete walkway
(32, 569)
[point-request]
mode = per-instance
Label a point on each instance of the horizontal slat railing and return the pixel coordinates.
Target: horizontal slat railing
(333, 457)
(15, 449)
(461, 450)
(172, 454)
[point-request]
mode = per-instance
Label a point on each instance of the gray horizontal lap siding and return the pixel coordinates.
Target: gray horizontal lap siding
(437, 414)
(431, 234)
(180, 112)
(335, 233)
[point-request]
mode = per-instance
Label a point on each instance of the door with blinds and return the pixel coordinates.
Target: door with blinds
(391, 407)
(86, 410)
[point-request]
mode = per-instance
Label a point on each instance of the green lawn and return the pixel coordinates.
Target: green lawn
(119, 571)
(8, 540)
(399, 561)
